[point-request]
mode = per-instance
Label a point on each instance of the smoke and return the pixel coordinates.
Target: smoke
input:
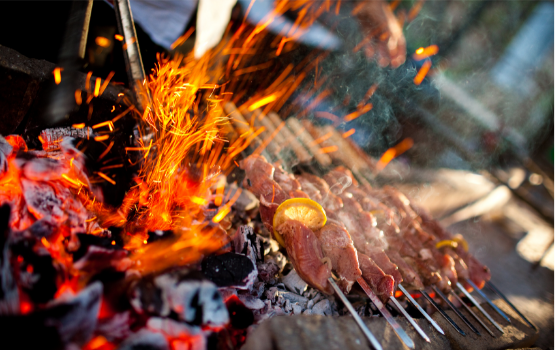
(348, 77)
(342, 183)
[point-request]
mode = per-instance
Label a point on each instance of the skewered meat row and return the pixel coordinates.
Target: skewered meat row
(376, 266)
(337, 240)
(386, 255)
(373, 259)
(429, 262)
(418, 226)
(313, 254)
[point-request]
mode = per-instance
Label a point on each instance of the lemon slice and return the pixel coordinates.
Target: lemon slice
(305, 210)
(460, 240)
(446, 243)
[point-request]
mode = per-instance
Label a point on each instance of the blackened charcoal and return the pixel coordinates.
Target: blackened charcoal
(5, 150)
(97, 259)
(76, 318)
(5, 212)
(87, 240)
(37, 275)
(63, 322)
(246, 242)
(157, 235)
(9, 297)
(145, 340)
(42, 228)
(240, 316)
(230, 270)
(183, 296)
(115, 289)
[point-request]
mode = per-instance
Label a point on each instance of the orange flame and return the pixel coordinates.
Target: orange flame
(393, 152)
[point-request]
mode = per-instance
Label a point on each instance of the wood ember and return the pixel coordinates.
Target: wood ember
(42, 201)
(9, 297)
(64, 323)
(5, 150)
(246, 242)
(184, 294)
(97, 259)
(145, 339)
(51, 138)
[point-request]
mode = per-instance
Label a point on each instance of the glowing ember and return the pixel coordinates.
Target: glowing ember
(102, 41)
(422, 72)
(57, 75)
(393, 152)
(348, 133)
(423, 53)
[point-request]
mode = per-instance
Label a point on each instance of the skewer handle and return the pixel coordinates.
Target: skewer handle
(409, 318)
(488, 300)
(289, 139)
(385, 313)
(479, 307)
(419, 308)
(472, 313)
(357, 318)
(455, 310)
(498, 292)
(440, 310)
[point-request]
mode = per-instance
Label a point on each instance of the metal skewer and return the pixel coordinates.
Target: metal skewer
(461, 316)
(488, 300)
(409, 318)
(479, 307)
(132, 54)
(357, 318)
(498, 292)
(381, 307)
(438, 308)
(424, 313)
(472, 313)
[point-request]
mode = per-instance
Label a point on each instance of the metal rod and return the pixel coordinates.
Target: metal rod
(498, 292)
(132, 54)
(461, 316)
(381, 307)
(409, 318)
(440, 310)
(479, 307)
(357, 318)
(419, 308)
(488, 300)
(472, 313)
